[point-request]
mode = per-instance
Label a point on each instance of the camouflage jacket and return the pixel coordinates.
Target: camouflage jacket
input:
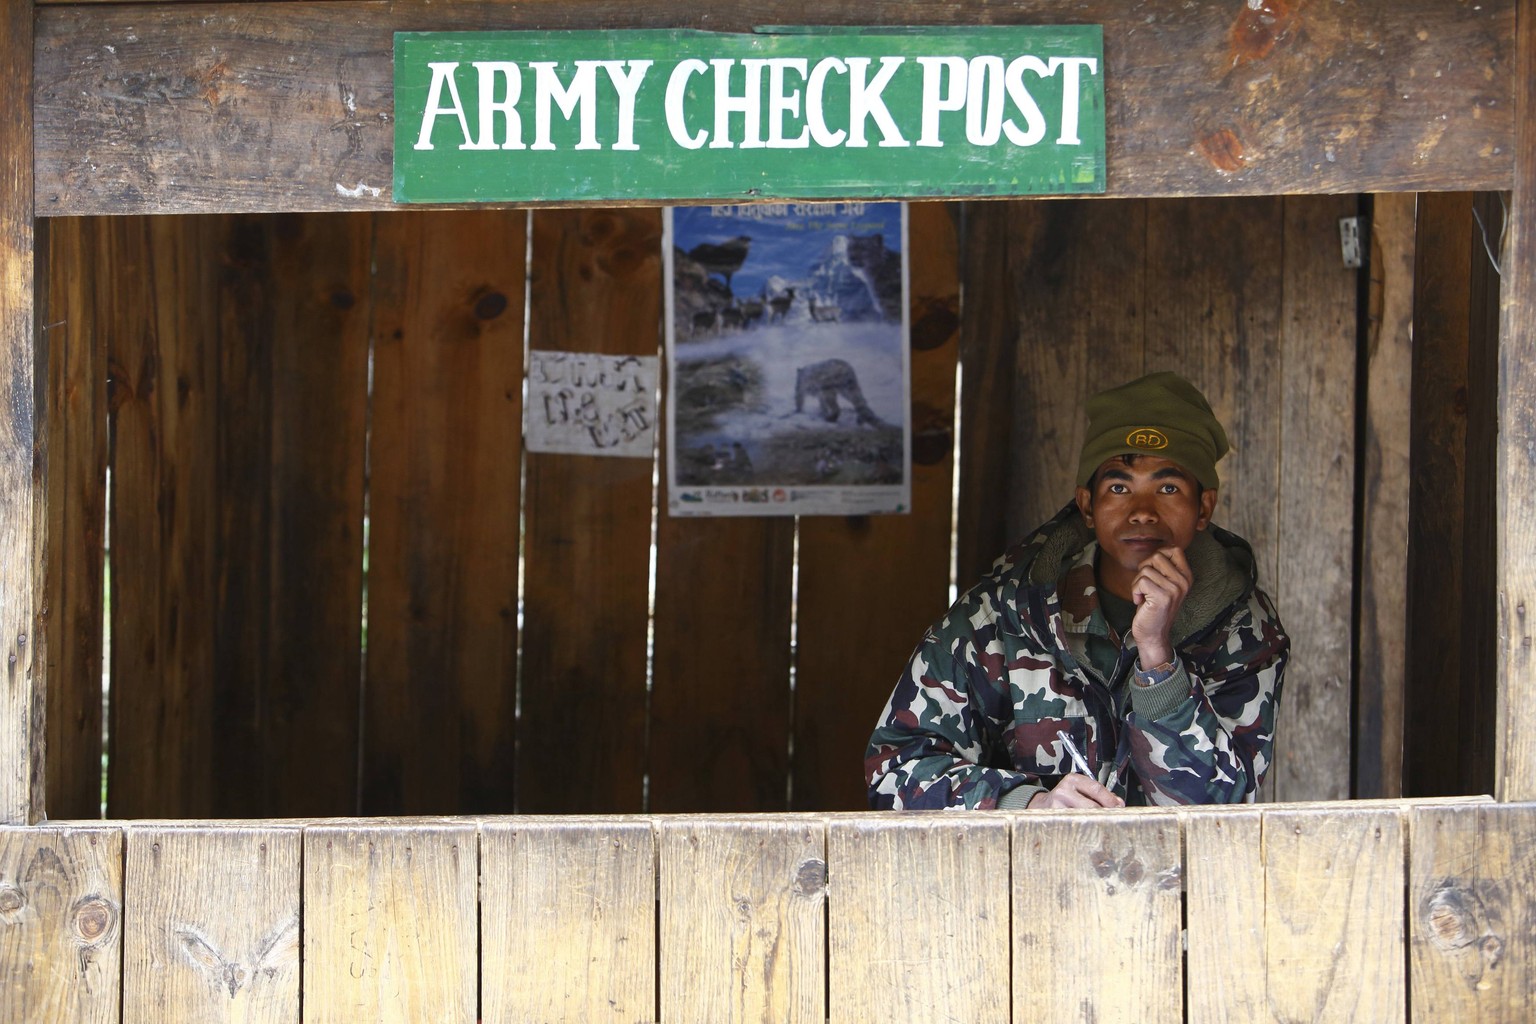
(975, 715)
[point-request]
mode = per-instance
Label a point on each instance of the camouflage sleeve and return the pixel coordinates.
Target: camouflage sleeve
(1216, 746)
(941, 729)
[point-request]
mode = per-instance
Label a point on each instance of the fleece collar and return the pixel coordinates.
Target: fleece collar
(1221, 562)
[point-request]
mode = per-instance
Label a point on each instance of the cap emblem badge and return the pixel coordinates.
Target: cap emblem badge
(1147, 438)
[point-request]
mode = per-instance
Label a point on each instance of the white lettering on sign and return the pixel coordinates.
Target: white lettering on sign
(487, 72)
(442, 74)
(815, 89)
(783, 104)
(677, 91)
(864, 101)
(977, 86)
(987, 98)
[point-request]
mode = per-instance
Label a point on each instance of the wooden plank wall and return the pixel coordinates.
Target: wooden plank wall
(443, 491)
(77, 510)
(264, 378)
(235, 357)
(595, 286)
(1289, 913)
(1450, 727)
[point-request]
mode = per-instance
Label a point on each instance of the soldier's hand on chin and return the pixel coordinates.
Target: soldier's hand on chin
(1075, 791)
(1158, 592)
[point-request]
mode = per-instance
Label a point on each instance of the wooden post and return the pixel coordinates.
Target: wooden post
(20, 690)
(1515, 758)
(1384, 517)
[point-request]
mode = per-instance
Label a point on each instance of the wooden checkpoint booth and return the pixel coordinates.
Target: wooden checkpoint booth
(325, 701)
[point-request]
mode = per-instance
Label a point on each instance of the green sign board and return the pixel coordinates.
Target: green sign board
(788, 113)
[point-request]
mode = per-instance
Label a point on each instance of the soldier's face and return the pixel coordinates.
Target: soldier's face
(1138, 507)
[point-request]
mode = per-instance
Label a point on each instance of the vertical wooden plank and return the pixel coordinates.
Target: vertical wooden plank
(1079, 287)
(1334, 911)
(596, 287)
(1315, 583)
(988, 340)
(312, 554)
(21, 570)
(720, 692)
(1480, 554)
(439, 699)
(1515, 761)
(163, 364)
(1227, 977)
(77, 446)
(1439, 691)
(899, 564)
(61, 894)
(720, 696)
(1382, 663)
(917, 918)
(389, 923)
(1471, 921)
(1075, 874)
(212, 931)
(743, 933)
(568, 921)
(1214, 290)
(240, 306)
(293, 350)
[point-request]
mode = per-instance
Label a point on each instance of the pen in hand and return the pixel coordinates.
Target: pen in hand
(1081, 763)
(1078, 761)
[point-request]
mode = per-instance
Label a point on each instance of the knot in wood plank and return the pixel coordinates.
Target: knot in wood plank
(93, 918)
(1259, 27)
(1223, 150)
(811, 877)
(1451, 917)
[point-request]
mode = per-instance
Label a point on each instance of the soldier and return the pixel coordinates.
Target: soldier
(1129, 622)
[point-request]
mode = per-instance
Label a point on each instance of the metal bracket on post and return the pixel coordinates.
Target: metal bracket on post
(1349, 241)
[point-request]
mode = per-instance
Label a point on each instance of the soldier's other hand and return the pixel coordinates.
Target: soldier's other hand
(1075, 791)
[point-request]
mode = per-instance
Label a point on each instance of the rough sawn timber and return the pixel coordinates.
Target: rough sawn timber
(21, 741)
(282, 106)
(1515, 757)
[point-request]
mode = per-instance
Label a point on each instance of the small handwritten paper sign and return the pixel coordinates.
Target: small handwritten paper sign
(582, 403)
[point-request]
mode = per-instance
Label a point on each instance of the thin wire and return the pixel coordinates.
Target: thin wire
(1503, 233)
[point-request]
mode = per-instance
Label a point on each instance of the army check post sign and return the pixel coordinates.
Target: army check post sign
(786, 113)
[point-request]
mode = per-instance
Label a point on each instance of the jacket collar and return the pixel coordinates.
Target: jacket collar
(1222, 564)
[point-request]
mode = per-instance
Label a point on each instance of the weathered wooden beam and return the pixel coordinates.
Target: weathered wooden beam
(1515, 758)
(1068, 869)
(213, 932)
(285, 106)
(1470, 870)
(594, 941)
(1313, 582)
(1383, 582)
(61, 915)
(20, 669)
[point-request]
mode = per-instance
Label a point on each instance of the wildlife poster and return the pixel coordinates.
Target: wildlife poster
(787, 359)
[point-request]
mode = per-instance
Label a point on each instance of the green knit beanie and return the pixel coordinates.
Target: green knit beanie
(1160, 414)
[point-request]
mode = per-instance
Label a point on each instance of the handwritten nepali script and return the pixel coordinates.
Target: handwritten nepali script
(589, 404)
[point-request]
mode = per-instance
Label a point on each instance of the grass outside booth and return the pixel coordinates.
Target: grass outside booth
(196, 198)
